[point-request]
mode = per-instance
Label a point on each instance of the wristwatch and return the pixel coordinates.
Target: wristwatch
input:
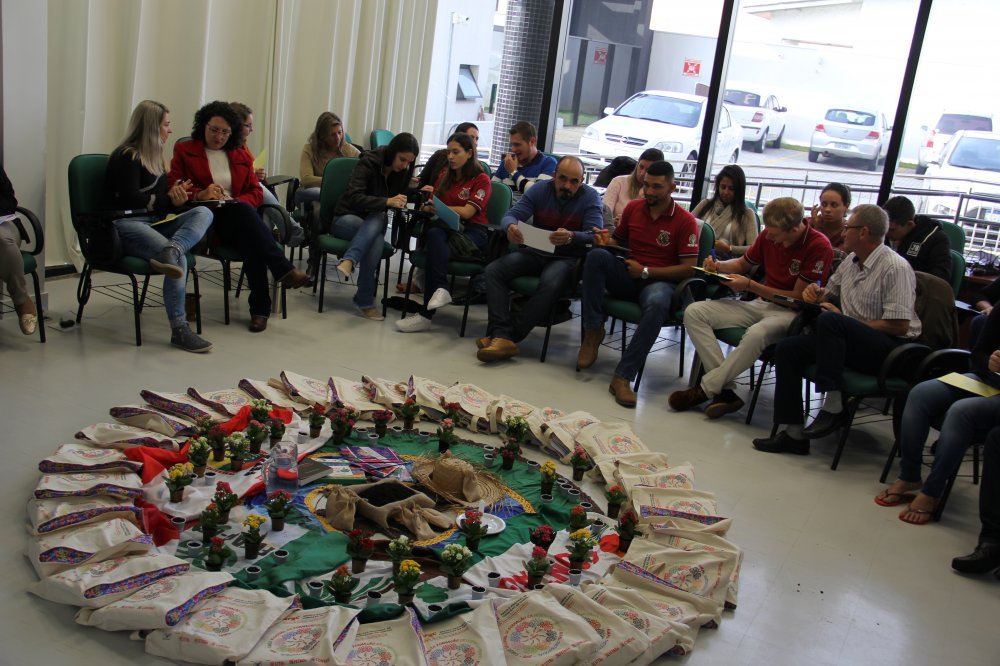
(645, 273)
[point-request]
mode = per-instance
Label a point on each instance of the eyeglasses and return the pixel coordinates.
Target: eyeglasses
(218, 131)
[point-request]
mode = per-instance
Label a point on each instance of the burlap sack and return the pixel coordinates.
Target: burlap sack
(690, 540)
(605, 466)
(417, 509)
(632, 607)
(53, 552)
(504, 406)
(474, 402)
(354, 394)
(88, 484)
(418, 520)
(149, 418)
(389, 643)
(263, 390)
(182, 406)
(98, 584)
(620, 643)
(159, 605)
(559, 434)
(305, 390)
(535, 631)
(83, 458)
(428, 394)
(383, 392)
(50, 515)
(470, 639)
(307, 637)
(226, 401)
(672, 603)
(706, 573)
(341, 505)
(225, 627)
(609, 439)
(121, 436)
(680, 477)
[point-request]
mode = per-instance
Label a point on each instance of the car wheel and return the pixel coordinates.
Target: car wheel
(735, 156)
(758, 146)
(813, 156)
(872, 164)
(921, 169)
(777, 142)
(688, 167)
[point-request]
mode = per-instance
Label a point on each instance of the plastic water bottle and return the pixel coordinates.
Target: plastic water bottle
(281, 471)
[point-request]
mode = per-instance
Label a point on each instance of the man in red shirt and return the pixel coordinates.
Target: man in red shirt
(662, 239)
(794, 255)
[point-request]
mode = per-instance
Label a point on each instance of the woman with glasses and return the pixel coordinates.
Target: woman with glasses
(221, 175)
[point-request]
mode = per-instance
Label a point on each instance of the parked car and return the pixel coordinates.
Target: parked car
(936, 137)
(669, 121)
(851, 132)
(970, 163)
(758, 113)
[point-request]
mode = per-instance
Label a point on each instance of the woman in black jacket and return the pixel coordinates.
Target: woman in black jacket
(380, 181)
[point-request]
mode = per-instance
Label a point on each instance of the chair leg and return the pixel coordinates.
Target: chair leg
(239, 282)
(227, 283)
(638, 377)
(545, 341)
(142, 296)
(893, 452)
(137, 308)
(465, 315)
(385, 285)
(680, 364)
(38, 305)
(943, 500)
(975, 462)
(321, 279)
(284, 303)
(754, 395)
(83, 291)
(406, 295)
(852, 408)
(197, 300)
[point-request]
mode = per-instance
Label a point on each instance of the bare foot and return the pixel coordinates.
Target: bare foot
(898, 493)
(920, 511)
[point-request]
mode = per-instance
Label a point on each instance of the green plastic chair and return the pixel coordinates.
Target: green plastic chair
(956, 236)
(86, 189)
(379, 138)
(36, 241)
(487, 169)
(957, 271)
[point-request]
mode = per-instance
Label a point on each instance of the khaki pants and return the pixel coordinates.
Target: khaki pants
(11, 264)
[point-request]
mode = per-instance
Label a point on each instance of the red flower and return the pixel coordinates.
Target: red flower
(279, 493)
(615, 489)
(539, 553)
(578, 511)
(223, 486)
(472, 516)
(217, 543)
(544, 533)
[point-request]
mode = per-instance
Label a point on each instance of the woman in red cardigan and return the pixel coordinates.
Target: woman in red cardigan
(219, 170)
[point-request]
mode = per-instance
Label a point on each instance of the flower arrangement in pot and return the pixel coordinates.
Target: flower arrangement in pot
(257, 432)
(217, 440)
(452, 410)
(252, 538)
(543, 536)
(616, 497)
(317, 415)
(517, 429)
(277, 430)
(578, 518)
(238, 447)
(537, 567)
(472, 527)
(360, 547)
(409, 410)
(580, 545)
(511, 449)
(400, 548)
(547, 472)
(446, 435)
(278, 505)
(204, 425)
(260, 410)
(405, 580)
(581, 462)
(342, 423)
(627, 522)
(341, 585)
(217, 554)
(209, 522)
(381, 418)
(198, 452)
(225, 499)
(455, 561)
(179, 476)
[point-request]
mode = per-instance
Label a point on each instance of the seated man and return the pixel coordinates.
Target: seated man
(794, 255)
(663, 240)
(571, 210)
(986, 556)
(524, 165)
(918, 239)
(876, 290)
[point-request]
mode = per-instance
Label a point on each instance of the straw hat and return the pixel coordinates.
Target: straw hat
(457, 480)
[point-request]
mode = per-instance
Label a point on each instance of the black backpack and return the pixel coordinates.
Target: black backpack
(620, 166)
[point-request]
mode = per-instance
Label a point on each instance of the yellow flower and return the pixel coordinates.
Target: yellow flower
(409, 567)
(254, 521)
(548, 468)
(580, 535)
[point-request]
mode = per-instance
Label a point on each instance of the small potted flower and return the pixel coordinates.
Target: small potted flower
(543, 536)
(238, 447)
(511, 449)
(278, 505)
(452, 410)
(616, 497)
(410, 411)
(352, 414)
(341, 423)
(317, 415)
(381, 418)
(217, 554)
(341, 585)
(277, 430)
(252, 537)
(198, 452)
(400, 548)
(446, 435)
(257, 432)
(179, 476)
(209, 522)
(360, 547)
(578, 518)
(225, 499)
(547, 471)
(260, 410)
(537, 567)
(204, 425)
(626, 529)
(473, 529)
(406, 580)
(580, 545)
(517, 428)
(455, 561)
(217, 440)
(580, 460)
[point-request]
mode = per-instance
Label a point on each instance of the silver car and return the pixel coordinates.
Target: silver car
(851, 132)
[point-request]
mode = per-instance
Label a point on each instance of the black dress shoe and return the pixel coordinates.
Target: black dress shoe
(826, 423)
(985, 558)
(782, 443)
(257, 324)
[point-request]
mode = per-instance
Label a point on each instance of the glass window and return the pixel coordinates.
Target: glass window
(467, 86)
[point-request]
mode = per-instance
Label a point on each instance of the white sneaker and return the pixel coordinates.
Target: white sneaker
(440, 298)
(413, 324)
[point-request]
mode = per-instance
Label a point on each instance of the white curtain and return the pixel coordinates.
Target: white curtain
(289, 60)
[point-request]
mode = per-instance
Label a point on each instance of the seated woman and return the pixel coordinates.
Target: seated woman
(829, 215)
(11, 264)
(136, 179)
(726, 212)
(623, 189)
(219, 170)
(380, 181)
(465, 189)
(967, 419)
(325, 143)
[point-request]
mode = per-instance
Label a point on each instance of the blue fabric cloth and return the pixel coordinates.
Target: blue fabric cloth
(526, 177)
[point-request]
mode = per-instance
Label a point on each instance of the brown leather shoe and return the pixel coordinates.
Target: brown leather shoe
(484, 342)
(592, 339)
(294, 279)
(258, 324)
(624, 395)
(498, 350)
(681, 401)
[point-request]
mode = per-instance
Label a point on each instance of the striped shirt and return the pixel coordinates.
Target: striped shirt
(884, 288)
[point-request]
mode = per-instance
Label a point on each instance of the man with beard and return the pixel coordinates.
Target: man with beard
(570, 210)
(662, 239)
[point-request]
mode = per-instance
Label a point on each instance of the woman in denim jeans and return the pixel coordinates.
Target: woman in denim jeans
(136, 179)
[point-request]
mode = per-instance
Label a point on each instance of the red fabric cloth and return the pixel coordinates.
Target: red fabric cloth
(157, 523)
(242, 419)
(154, 460)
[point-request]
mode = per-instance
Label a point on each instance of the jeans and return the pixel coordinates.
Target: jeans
(967, 419)
(436, 246)
(603, 272)
(366, 236)
(832, 334)
(976, 329)
(239, 226)
(556, 275)
(139, 239)
(304, 194)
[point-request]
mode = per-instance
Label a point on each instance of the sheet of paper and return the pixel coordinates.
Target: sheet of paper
(971, 385)
(261, 160)
(536, 238)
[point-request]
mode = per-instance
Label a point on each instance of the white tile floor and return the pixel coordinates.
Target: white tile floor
(828, 577)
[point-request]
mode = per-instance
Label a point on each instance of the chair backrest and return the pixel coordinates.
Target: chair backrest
(379, 138)
(706, 242)
(336, 175)
(955, 234)
(756, 213)
(499, 203)
(487, 169)
(86, 187)
(957, 271)
(935, 307)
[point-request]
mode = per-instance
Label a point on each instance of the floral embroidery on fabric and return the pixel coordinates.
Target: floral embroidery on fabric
(134, 582)
(299, 640)
(177, 614)
(533, 637)
(220, 621)
(454, 653)
(371, 655)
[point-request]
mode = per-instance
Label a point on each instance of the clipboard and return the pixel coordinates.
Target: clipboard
(796, 304)
(973, 386)
(721, 277)
(446, 215)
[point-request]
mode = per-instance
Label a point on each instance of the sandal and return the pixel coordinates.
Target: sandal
(885, 498)
(924, 516)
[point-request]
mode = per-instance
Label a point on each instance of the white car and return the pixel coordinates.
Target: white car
(852, 132)
(937, 136)
(669, 121)
(759, 114)
(970, 163)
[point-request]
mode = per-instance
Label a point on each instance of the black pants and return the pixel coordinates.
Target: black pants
(989, 489)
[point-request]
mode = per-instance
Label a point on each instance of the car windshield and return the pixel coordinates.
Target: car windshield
(848, 117)
(976, 153)
(741, 98)
(953, 122)
(660, 109)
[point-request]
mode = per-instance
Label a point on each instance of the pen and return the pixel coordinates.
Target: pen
(712, 253)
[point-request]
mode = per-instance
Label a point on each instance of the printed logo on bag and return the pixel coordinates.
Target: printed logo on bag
(634, 618)
(663, 238)
(621, 444)
(690, 506)
(669, 611)
(688, 577)
(454, 653)
(371, 655)
(601, 630)
(105, 567)
(160, 587)
(92, 454)
(299, 640)
(220, 621)
(533, 637)
(474, 396)
(793, 268)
